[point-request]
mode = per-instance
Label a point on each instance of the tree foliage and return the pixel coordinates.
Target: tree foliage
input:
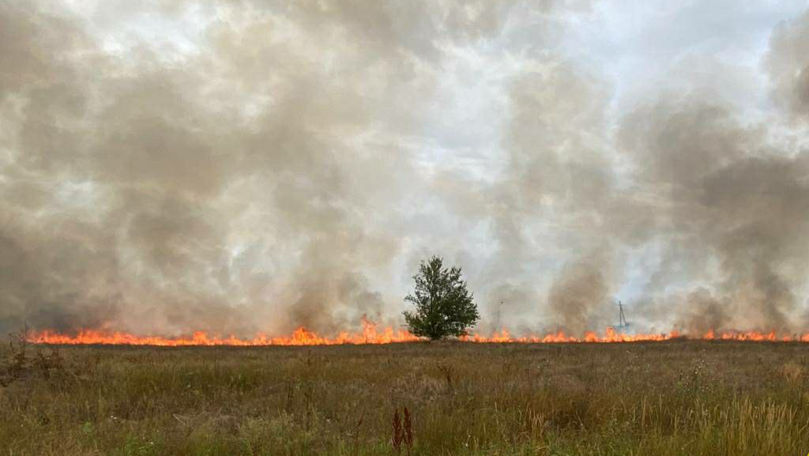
(444, 307)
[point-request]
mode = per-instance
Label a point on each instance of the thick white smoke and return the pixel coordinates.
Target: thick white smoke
(255, 166)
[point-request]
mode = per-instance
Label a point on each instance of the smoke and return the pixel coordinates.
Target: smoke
(702, 312)
(226, 188)
(729, 207)
(788, 66)
(256, 166)
(578, 292)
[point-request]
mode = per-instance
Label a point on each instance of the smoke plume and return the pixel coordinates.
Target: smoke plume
(257, 166)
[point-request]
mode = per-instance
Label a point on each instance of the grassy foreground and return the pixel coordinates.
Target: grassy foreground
(670, 398)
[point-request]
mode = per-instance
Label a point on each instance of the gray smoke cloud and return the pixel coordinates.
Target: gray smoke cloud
(728, 210)
(788, 66)
(256, 166)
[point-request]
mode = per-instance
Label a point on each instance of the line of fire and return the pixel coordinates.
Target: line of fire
(372, 333)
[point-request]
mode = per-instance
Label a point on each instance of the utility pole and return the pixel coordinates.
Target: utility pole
(623, 325)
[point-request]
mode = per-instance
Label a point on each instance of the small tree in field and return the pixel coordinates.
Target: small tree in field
(444, 306)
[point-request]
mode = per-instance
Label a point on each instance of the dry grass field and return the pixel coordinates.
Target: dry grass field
(669, 398)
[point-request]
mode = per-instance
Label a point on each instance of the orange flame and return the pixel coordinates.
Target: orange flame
(372, 334)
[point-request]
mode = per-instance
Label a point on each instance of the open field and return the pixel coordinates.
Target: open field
(665, 398)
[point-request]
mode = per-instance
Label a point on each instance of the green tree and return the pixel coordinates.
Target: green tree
(444, 307)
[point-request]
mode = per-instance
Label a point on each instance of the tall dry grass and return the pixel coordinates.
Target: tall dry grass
(674, 398)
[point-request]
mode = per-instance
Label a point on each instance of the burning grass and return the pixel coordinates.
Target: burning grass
(372, 333)
(665, 398)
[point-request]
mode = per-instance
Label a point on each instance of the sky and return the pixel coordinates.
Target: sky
(244, 166)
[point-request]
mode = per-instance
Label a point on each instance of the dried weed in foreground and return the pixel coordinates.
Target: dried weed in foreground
(666, 399)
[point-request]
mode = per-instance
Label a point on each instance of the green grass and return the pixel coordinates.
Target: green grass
(672, 398)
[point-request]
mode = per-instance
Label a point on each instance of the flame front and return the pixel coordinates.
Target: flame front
(372, 334)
